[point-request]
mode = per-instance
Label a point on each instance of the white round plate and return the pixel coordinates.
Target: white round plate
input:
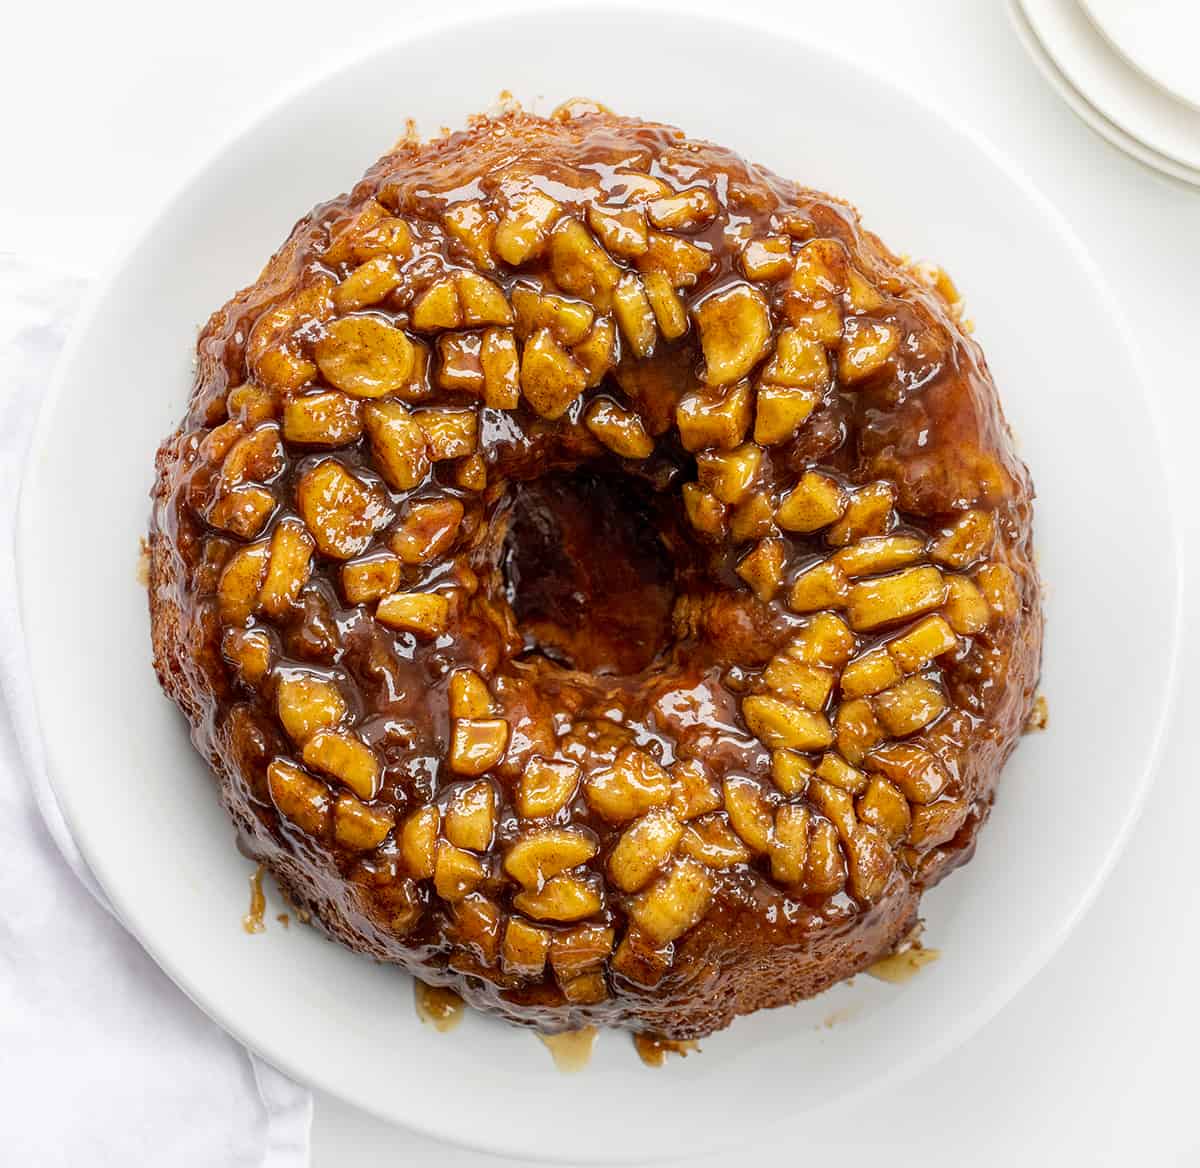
(1159, 37)
(1114, 87)
(142, 804)
(1086, 112)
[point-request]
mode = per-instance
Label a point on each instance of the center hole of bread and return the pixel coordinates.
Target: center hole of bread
(588, 577)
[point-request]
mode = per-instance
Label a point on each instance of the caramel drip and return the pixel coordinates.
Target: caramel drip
(653, 1051)
(439, 1007)
(899, 968)
(571, 1050)
(253, 922)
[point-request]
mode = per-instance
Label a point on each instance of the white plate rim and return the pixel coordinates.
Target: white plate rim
(1121, 92)
(1087, 113)
(1031, 962)
(1100, 16)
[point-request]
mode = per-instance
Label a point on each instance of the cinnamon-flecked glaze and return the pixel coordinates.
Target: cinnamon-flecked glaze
(599, 574)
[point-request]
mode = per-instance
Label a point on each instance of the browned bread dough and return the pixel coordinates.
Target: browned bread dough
(599, 574)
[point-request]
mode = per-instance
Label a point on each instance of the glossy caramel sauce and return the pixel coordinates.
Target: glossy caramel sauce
(441, 1008)
(571, 1050)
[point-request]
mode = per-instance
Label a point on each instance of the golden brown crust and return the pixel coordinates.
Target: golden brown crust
(599, 574)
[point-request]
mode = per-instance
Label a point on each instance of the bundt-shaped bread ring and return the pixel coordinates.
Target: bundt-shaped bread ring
(599, 574)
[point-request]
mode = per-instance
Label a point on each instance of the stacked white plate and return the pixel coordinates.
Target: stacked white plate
(1129, 68)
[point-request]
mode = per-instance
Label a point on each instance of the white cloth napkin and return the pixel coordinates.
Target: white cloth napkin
(103, 1061)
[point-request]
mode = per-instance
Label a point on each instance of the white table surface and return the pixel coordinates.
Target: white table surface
(1094, 1063)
